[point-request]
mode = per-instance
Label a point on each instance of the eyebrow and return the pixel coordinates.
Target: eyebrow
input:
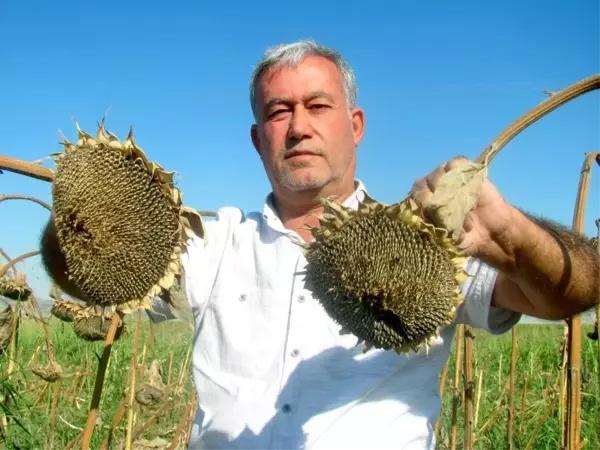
(311, 96)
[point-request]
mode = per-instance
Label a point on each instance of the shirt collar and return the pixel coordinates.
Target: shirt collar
(272, 218)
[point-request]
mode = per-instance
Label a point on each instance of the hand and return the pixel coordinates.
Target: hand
(488, 232)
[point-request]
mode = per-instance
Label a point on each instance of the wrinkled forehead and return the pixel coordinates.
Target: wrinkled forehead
(297, 81)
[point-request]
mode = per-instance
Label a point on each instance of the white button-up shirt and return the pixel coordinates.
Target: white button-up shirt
(270, 367)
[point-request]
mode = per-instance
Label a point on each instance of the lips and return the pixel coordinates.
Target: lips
(299, 153)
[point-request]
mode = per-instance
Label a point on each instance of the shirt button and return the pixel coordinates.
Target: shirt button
(295, 352)
(286, 408)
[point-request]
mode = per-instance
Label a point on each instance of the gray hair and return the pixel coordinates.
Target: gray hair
(292, 54)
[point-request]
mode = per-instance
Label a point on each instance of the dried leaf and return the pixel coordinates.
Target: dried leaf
(456, 194)
(192, 223)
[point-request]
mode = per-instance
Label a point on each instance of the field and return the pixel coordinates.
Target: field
(536, 393)
(155, 426)
(537, 388)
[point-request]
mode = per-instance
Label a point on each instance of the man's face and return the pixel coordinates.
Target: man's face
(306, 135)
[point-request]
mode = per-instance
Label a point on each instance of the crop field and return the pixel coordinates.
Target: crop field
(536, 393)
(53, 415)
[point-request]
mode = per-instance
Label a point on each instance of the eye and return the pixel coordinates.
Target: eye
(319, 107)
(277, 112)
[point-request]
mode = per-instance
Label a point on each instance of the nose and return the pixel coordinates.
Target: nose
(300, 126)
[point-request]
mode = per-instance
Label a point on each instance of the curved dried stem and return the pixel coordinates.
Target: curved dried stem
(554, 101)
(25, 197)
(20, 258)
(26, 168)
(8, 259)
(457, 191)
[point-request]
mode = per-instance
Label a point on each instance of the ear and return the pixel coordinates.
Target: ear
(358, 125)
(255, 137)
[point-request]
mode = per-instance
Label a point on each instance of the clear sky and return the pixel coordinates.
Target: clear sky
(436, 79)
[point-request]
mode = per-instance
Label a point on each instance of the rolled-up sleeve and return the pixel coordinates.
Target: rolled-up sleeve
(477, 311)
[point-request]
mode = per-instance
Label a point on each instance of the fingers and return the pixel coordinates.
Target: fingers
(423, 189)
(421, 192)
(455, 162)
(430, 181)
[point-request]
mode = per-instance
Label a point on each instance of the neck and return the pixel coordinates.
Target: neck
(298, 209)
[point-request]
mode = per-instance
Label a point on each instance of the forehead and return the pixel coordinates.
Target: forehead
(313, 74)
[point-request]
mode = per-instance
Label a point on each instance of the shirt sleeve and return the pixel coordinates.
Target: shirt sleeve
(477, 311)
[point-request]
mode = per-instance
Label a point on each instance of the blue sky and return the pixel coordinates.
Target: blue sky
(436, 79)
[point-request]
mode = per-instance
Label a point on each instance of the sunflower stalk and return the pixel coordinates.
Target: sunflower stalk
(573, 404)
(130, 400)
(99, 383)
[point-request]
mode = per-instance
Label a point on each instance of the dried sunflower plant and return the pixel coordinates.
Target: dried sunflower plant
(122, 227)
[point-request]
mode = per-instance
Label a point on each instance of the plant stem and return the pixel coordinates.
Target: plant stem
(25, 197)
(558, 99)
(93, 414)
(572, 434)
(26, 168)
(19, 258)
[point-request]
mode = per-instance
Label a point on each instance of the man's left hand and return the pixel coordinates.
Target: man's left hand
(488, 230)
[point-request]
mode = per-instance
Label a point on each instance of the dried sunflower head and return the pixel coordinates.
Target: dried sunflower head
(384, 274)
(92, 325)
(51, 372)
(120, 221)
(6, 327)
(15, 288)
(152, 391)
(65, 310)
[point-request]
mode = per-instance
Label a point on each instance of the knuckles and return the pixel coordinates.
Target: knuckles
(457, 161)
(424, 187)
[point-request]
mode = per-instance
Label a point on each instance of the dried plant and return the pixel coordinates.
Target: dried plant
(94, 325)
(151, 393)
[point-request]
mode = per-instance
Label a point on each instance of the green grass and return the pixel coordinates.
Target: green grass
(537, 383)
(538, 369)
(76, 355)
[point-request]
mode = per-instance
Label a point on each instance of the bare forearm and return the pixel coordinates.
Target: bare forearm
(555, 269)
(54, 261)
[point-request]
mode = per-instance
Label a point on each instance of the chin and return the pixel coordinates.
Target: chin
(303, 183)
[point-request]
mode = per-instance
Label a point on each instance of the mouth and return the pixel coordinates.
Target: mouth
(296, 153)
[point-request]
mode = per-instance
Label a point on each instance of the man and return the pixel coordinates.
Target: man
(270, 367)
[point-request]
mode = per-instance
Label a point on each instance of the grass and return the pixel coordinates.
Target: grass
(537, 384)
(33, 403)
